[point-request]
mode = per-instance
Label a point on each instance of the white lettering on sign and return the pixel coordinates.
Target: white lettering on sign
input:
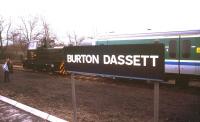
(144, 59)
(106, 59)
(134, 60)
(121, 60)
(128, 60)
(154, 57)
(83, 59)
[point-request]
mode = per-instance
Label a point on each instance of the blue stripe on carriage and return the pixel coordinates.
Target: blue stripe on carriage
(183, 63)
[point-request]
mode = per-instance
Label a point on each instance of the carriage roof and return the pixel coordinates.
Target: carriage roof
(149, 35)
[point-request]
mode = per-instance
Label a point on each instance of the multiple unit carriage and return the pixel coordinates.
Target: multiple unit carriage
(182, 51)
(182, 48)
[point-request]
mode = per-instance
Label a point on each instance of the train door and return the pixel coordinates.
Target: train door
(172, 54)
(196, 50)
(187, 65)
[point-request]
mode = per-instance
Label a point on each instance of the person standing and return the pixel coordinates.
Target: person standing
(10, 66)
(6, 70)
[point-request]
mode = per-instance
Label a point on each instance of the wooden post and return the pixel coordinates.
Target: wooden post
(156, 101)
(73, 98)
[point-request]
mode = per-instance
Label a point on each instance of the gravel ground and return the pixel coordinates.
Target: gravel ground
(101, 99)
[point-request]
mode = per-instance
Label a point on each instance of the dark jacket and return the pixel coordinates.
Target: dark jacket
(10, 67)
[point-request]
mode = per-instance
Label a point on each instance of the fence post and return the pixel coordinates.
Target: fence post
(156, 101)
(73, 98)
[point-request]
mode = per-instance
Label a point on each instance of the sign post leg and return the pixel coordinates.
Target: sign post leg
(156, 101)
(73, 98)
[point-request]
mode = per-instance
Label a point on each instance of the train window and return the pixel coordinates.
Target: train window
(172, 49)
(186, 46)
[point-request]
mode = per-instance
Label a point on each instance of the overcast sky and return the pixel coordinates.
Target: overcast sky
(88, 17)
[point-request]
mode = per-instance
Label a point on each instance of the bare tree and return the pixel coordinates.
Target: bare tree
(79, 40)
(30, 29)
(48, 37)
(70, 39)
(74, 40)
(4, 26)
(1, 31)
(7, 34)
(18, 40)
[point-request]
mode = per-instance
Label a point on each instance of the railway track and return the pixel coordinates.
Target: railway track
(193, 82)
(85, 77)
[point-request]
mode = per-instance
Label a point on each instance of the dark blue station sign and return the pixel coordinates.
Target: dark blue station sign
(141, 61)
